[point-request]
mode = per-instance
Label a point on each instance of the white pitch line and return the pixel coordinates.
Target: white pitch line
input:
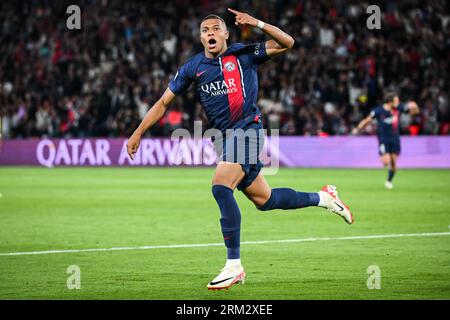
(196, 245)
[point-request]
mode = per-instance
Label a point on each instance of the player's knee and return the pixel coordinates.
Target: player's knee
(226, 180)
(261, 208)
(263, 203)
(259, 204)
(219, 180)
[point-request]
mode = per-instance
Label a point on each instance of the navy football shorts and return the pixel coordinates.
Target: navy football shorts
(389, 146)
(243, 146)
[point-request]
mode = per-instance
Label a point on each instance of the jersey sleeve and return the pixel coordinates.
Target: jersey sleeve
(182, 80)
(257, 52)
(374, 113)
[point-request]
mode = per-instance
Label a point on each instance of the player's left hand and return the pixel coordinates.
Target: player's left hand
(243, 19)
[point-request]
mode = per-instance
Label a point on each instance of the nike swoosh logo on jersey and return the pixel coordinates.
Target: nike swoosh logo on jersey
(342, 208)
(198, 74)
(217, 282)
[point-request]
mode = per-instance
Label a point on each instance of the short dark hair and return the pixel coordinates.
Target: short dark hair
(214, 16)
(389, 96)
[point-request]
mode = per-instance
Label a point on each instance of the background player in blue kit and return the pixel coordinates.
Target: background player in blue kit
(225, 79)
(388, 117)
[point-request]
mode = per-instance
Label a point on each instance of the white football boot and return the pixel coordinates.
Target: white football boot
(331, 201)
(228, 276)
(388, 185)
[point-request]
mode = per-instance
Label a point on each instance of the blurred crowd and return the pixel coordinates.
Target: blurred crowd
(100, 80)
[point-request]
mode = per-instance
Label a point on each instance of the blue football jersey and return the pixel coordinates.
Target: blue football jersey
(227, 86)
(388, 121)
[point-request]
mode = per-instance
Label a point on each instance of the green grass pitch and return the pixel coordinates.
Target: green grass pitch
(80, 208)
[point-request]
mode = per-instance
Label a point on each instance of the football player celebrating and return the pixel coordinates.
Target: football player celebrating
(388, 116)
(225, 78)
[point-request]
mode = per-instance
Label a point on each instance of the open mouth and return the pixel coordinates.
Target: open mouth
(212, 43)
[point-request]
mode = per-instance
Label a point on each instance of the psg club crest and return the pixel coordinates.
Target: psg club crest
(229, 66)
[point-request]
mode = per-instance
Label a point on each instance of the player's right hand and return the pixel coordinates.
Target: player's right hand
(133, 144)
(243, 19)
(355, 131)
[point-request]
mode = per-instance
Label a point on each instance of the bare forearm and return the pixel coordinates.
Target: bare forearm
(156, 112)
(363, 123)
(280, 42)
(281, 38)
(153, 115)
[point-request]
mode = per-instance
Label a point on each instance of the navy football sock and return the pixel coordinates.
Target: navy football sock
(285, 198)
(391, 174)
(230, 220)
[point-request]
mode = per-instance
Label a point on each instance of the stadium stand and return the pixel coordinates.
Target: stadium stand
(99, 81)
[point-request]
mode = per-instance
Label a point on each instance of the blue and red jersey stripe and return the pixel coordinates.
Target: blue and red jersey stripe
(231, 70)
